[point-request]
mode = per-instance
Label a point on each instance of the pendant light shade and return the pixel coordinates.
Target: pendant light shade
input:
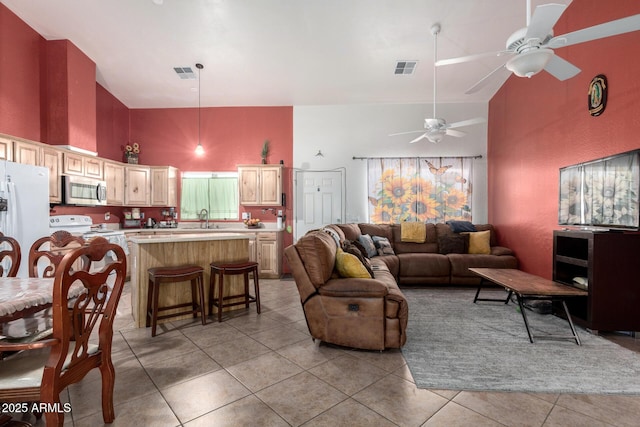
(199, 148)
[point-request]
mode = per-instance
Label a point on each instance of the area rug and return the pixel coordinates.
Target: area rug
(454, 344)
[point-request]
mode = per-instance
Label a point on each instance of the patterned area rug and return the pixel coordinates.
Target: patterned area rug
(454, 344)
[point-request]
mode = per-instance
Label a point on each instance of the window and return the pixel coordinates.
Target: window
(217, 192)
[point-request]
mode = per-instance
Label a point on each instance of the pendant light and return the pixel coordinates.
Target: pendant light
(199, 148)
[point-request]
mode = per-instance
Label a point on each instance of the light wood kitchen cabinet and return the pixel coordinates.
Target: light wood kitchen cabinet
(26, 153)
(260, 185)
(77, 164)
(52, 160)
(164, 186)
(6, 149)
(136, 186)
(114, 177)
(269, 254)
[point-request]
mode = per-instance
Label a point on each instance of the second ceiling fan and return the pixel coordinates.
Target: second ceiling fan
(436, 128)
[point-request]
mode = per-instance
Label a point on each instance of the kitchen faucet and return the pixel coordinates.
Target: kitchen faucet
(204, 215)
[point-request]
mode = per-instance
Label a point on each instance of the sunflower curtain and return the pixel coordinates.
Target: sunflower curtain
(419, 189)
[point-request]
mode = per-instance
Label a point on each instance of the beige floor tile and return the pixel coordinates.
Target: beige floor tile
(447, 394)
(405, 373)
(211, 334)
(507, 408)
(151, 410)
(252, 325)
(349, 413)
(454, 415)
(307, 353)
(279, 337)
(400, 401)
(263, 371)
(237, 351)
(300, 398)
(175, 370)
(389, 360)
(248, 411)
(613, 409)
(86, 396)
(348, 374)
(204, 394)
(561, 417)
(159, 348)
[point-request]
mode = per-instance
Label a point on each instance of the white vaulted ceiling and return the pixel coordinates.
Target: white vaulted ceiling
(280, 52)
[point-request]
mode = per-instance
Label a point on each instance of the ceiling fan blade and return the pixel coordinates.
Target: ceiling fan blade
(560, 68)
(486, 79)
(424, 135)
(405, 133)
(607, 29)
(464, 123)
(469, 58)
(457, 133)
(544, 18)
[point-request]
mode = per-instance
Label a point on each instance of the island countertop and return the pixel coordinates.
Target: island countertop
(186, 237)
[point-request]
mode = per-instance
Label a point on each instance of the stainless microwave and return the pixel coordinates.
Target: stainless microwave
(82, 191)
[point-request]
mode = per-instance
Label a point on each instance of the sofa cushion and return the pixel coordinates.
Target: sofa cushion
(424, 265)
(382, 230)
(429, 246)
(348, 265)
(453, 244)
(479, 242)
(350, 231)
(367, 242)
(317, 251)
(337, 230)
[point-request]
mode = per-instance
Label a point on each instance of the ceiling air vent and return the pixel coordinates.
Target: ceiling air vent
(185, 73)
(405, 67)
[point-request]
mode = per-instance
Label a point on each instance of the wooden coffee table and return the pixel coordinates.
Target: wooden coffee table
(529, 287)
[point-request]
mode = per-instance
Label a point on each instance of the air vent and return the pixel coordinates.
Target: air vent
(185, 73)
(405, 67)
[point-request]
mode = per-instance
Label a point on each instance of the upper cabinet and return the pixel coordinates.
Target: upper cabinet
(52, 160)
(6, 149)
(136, 185)
(164, 186)
(26, 153)
(260, 185)
(78, 164)
(114, 177)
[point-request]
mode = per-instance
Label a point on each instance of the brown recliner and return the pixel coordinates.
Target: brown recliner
(353, 312)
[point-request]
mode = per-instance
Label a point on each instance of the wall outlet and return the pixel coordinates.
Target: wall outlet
(107, 216)
(279, 212)
(245, 215)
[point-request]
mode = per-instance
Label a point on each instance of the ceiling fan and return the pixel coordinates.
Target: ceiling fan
(436, 128)
(530, 49)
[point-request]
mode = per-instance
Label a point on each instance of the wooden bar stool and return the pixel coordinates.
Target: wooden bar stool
(222, 269)
(182, 273)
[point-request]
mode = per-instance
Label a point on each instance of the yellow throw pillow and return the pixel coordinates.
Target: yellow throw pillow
(349, 265)
(479, 242)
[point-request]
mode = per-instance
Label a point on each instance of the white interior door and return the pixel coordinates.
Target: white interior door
(319, 200)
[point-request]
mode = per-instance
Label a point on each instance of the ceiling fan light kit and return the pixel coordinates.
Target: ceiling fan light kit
(529, 63)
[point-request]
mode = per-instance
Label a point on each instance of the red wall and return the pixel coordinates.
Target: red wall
(540, 124)
(112, 125)
(20, 69)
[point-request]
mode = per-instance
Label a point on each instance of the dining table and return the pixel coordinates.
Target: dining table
(21, 298)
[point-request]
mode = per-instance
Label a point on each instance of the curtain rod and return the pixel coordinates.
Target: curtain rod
(479, 156)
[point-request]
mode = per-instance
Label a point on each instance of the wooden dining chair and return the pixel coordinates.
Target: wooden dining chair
(41, 370)
(12, 255)
(47, 252)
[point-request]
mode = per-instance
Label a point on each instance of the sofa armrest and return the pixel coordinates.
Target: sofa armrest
(501, 250)
(354, 287)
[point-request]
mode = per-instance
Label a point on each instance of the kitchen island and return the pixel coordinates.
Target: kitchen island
(165, 250)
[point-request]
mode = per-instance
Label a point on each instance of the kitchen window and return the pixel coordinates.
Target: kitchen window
(217, 192)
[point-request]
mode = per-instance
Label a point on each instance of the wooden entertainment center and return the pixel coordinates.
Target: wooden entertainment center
(610, 260)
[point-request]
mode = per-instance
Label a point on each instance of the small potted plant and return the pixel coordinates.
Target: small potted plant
(265, 151)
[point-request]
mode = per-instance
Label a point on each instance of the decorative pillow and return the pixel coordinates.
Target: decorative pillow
(349, 265)
(331, 232)
(460, 226)
(383, 245)
(360, 247)
(368, 244)
(349, 247)
(479, 242)
(453, 244)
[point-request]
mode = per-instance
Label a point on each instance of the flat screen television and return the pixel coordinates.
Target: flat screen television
(602, 193)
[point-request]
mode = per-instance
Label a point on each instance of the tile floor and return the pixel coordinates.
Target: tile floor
(264, 370)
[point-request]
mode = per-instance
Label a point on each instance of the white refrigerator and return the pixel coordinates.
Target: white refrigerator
(25, 189)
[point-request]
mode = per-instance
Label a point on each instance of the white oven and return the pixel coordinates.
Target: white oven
(82, 191)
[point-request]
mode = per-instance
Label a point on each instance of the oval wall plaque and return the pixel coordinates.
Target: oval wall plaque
(597, 96)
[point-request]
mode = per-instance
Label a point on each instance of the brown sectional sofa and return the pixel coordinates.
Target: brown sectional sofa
(373, 313)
